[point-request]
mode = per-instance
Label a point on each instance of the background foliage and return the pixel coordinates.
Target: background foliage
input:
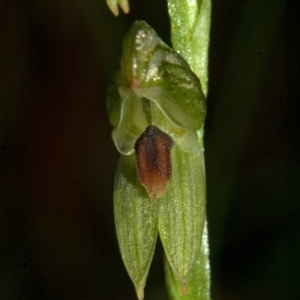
(57, 159)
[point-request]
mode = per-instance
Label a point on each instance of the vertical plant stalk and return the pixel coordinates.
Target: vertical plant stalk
(190, 25)
(190, 28)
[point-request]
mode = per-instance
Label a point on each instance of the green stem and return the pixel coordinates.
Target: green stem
(190, 26)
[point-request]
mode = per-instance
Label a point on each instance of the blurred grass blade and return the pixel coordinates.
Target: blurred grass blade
(136, 218)
(198, 286)
(182, 212)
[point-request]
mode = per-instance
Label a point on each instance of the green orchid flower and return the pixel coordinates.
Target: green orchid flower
(157, 109)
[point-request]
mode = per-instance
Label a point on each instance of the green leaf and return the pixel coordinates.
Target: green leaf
(136, 218)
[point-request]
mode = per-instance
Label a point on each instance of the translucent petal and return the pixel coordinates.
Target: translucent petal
(132, 122)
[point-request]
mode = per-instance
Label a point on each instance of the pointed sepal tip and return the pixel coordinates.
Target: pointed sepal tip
(113, 6)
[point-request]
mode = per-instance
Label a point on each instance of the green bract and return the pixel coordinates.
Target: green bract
(150, 70)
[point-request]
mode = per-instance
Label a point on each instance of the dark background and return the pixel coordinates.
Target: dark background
(57, 159)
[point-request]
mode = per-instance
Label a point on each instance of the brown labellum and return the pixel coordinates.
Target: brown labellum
(153, 160)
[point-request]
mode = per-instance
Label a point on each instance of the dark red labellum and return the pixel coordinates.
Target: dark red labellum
(153, 160)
